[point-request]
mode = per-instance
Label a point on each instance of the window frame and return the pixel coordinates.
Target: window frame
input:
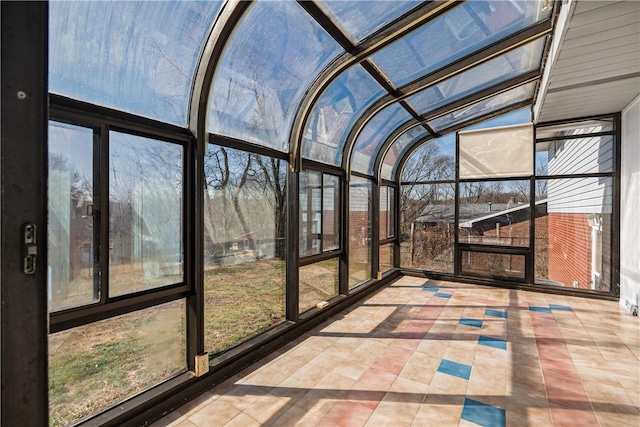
(391, 216)
(101, 121)
(322, 254)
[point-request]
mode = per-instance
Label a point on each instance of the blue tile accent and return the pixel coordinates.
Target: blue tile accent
(492, 342)
(560, 307)
(443, 295)
(496, 313)
(430, 288)
(471, 322)
(483, 414)
(539, 309)
(456, 369)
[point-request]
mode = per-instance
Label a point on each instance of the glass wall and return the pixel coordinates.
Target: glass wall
(318, 282)
(427, 227)
(494, 213)
(115, 228)
(98, 365)
(387, 216)
(386, 257)
(360, 230)
(145, 208)
(571, 176)
(244, 245)
(71, 272)
(319, 198)
(575, 165)
(427, 207)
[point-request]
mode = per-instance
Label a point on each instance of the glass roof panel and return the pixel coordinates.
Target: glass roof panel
(512, 64)
(360, 18)
(440, 155)
(455, 34)
(486, 106)
(398, 146)
(515, 117)
(136, 56)
(340, 104)
(375, 132)
(269, 62)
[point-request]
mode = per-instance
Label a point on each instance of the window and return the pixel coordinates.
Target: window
(359, 231)
(575, 187)
(387, 212)
(115, 239)
(427, 227)
(573, 232)
(386, 257)
(494, 213)
(318, 282)
(97, 365)
(244, 245)
(319, 197)
(493, 265)
(72, 278)
(143, 212)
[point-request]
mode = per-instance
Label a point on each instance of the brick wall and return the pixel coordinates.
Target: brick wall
(569, 249)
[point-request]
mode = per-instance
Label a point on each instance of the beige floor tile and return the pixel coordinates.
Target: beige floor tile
(217, 413)
(243, 420)
(268, 408)
(243, 395)
(393, 413)
(265, 377)
(287, 364)
(447, 385)
(350, 369)
(201, 401)
(303, 382)
(421, 368)
(335, 383)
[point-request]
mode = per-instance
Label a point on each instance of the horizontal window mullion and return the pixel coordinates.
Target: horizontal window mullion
(85, 114)
(312, 259)
(71, 318)
(578, 136)
(577, 176)
(446, 181)
(387, 240)
(494, 249)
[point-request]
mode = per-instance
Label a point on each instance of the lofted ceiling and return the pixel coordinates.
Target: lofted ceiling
(594, 64)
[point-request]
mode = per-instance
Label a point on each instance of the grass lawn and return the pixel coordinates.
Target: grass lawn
(242, 300)
(95, 366)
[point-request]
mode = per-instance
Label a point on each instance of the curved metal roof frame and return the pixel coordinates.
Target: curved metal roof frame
(226, 21)
(356, 54)
(500, 47)
(232, 11)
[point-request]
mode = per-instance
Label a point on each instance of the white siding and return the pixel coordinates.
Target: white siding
(580, 195)
(584, 155)
(630, 204)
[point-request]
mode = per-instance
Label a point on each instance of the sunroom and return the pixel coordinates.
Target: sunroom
(189, 186)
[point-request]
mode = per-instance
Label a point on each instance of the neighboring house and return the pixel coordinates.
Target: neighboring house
(579, 211)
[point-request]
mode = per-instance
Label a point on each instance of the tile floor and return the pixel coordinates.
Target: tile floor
(433, 353)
